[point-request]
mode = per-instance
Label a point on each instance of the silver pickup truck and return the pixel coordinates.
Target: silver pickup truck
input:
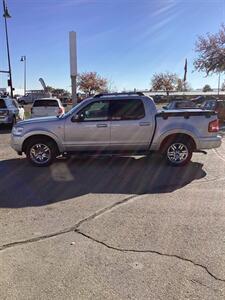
(120, 124)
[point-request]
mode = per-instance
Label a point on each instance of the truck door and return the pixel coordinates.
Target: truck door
(131, 126)
(91, 131)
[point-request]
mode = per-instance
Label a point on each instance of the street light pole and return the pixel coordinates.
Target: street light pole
(7, 15)
(24, 59)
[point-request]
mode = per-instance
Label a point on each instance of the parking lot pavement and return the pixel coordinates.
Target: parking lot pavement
(112, 228)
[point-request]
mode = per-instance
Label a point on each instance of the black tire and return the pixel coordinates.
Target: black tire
(41, 152)
(178, 152)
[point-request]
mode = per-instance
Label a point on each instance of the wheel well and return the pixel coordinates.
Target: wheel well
(169, 139)
(38, 137)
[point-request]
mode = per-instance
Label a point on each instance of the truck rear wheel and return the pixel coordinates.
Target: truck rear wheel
(178, 152)
(41, 153)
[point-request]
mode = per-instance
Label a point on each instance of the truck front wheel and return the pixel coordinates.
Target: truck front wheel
(40, 152)
(178, 152)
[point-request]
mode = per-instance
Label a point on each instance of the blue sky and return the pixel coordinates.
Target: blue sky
(125, 41)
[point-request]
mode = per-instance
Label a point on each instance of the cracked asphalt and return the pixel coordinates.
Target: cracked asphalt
(112, 228)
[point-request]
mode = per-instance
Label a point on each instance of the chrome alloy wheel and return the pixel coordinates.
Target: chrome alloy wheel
(40, 153)
(177, 153)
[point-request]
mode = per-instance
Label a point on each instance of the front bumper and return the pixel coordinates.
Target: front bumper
(16, 143)
(210, 142)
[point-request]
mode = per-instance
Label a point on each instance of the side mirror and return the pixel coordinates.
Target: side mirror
(77, 118)
(164, 107)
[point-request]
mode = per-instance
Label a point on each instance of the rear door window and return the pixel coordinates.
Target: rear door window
(2, 103)
(44, 103)
(127, 110)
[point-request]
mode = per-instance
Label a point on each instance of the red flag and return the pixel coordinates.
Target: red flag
(185, 70)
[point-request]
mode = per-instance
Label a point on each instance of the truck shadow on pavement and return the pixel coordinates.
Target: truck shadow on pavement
(22, 185)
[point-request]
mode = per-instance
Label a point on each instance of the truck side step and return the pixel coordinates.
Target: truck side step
(201, 151)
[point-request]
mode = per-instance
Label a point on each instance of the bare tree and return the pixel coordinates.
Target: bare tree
(164, 81)
(180, 85)
(211, 52)
(91, 82)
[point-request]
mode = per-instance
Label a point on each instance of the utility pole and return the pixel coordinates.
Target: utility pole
(73, 65)
(6, 15)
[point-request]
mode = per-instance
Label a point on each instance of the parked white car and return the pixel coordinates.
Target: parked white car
(46, 107)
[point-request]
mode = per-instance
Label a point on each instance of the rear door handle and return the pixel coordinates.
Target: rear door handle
(144, 124)
(101, 125)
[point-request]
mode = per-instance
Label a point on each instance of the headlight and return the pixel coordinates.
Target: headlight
(17, 130)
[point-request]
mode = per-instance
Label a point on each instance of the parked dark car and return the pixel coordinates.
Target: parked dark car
(158, 98)
(216, 105)
(185, 104)
(199, 100)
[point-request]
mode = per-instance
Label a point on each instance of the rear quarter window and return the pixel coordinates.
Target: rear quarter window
(127, 109)
(2, 103)
(45, 103)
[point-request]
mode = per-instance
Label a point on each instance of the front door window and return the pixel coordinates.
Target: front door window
(95, 111)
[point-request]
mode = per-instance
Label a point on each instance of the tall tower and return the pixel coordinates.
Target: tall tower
(73, 65)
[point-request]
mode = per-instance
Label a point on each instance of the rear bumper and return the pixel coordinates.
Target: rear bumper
(210, 142)
(6, 120)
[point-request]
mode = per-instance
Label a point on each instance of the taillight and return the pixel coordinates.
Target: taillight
(214, 126)
(60, 111)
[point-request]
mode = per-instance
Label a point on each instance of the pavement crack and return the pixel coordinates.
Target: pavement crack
(107, 209)
(152, 252)
(204, 285)
(69, 229)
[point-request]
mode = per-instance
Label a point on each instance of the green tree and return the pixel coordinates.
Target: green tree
(207, 88)
(49, 89)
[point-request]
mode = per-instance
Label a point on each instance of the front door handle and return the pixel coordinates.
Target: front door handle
(101, 125)
(144, 124)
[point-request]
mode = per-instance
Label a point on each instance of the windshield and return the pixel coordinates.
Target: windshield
(70, 112)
